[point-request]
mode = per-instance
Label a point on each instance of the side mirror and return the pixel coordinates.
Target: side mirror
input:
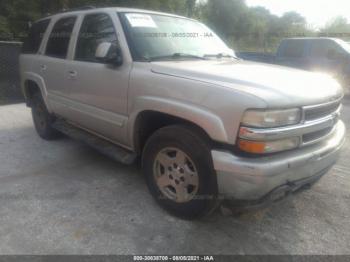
(109, 53)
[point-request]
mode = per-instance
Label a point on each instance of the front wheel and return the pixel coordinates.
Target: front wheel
(179, 172)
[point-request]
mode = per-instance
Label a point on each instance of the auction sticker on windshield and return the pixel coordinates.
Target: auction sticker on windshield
(141, 20)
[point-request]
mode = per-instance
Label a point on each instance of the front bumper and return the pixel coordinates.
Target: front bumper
(241, 178)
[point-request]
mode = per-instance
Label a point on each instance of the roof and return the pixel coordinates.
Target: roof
(310, 38)
(115, 9)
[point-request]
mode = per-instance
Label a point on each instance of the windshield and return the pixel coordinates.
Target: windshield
(344, 45)
(153, 36)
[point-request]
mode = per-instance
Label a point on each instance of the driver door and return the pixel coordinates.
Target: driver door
(98, 91)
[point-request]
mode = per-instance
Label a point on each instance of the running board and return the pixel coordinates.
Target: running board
(103, 146)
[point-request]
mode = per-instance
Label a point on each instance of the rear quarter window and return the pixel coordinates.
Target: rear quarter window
(36, 34)
(60, 36)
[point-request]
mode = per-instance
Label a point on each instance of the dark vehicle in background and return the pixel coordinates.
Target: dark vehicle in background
(328, 55)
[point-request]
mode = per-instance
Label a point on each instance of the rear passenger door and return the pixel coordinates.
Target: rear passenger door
(53, 62)
(98, 91)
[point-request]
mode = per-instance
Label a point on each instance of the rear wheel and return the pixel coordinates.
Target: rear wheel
(179, 172)
(42, 119)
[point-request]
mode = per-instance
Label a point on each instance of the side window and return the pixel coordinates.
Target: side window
(58, 43)
(95, 29)
(294, 49)
(321, 49)
(32, 44)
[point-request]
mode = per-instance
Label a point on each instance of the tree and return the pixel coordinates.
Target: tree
(15, 15)
(190, 6)
(253, 28)
(5, 32)
(337, 27)
(241, 27)
(259, 35)
(230, 19)
(293, 24)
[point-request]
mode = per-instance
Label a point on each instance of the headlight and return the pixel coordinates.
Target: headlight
(260, 147)
(271, 118)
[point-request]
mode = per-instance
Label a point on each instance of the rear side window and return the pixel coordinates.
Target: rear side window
(95, 29)
(32, 44)
(58, 43)
(293, 49)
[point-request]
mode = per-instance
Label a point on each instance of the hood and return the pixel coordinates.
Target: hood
(278, 86)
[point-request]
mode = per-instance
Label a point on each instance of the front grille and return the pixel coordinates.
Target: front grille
(321, 111)
(318, 112)
(314, 136)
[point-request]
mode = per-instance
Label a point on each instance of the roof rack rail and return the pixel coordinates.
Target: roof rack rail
(88, 7)
(71, 10)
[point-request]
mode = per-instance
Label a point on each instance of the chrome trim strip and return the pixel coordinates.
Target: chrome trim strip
(322, 105)
(306, 109)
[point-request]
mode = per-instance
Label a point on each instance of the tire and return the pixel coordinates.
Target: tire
(178, 167)
(42, 119)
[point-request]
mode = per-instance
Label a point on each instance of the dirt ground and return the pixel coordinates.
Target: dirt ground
(64, 198)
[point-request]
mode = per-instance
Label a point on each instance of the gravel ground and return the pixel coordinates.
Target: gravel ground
(64, 198)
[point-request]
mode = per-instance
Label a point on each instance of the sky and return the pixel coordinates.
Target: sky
(316, 12)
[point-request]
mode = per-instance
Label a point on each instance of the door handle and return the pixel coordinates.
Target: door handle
(72, 74)
(43, 67)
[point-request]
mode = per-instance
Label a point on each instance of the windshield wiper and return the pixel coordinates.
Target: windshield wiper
(221, 55)
(176, 56)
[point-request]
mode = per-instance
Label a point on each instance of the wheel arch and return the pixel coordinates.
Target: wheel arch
(157, 113)
(32, 83)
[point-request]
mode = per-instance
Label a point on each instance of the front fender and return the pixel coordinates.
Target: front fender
(200, 116)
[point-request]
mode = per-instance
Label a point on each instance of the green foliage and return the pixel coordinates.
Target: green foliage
(15, 15)
(4, 29)
(338, 27)
(251, 29)
(243, 28)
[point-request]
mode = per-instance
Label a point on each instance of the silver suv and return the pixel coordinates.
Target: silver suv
(206, 125)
